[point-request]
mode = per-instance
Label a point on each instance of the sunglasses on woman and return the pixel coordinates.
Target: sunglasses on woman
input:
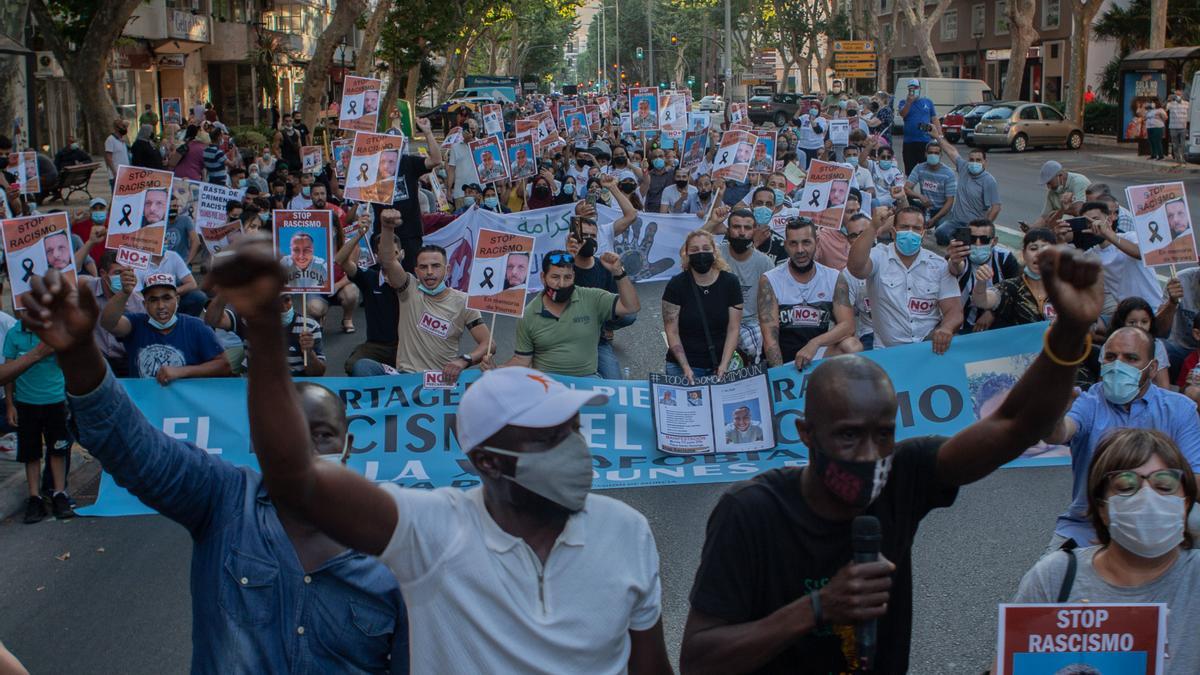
(1127, 483)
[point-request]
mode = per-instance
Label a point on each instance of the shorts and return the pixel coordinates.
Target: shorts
(41, 423)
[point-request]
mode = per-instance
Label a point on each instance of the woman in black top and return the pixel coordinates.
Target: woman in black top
(702, 309)
(143, 153)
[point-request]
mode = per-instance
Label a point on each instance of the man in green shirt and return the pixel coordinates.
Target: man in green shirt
(149, 117)
(1064, 194)
(561, 327)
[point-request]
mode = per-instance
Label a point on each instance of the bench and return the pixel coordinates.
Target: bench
(72, 179)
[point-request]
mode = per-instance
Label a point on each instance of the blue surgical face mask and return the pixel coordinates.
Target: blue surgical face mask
(469, 200)
(908, 242)
(887, 164)
(658, 163)
(432, 291)
(980, 253)
(975, 168)
(306, 190)
(568, 189)
(242, 182)
(114, 283)
(778, 195)
(99, 217)
(812, 112)
(933, 160)
(1032, 273)
(491, 202)
(163, 325)
(843, 103)
(763, 214)
(1121, 381)
(288, 317)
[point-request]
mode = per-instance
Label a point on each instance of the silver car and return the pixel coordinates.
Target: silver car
(1021, 125)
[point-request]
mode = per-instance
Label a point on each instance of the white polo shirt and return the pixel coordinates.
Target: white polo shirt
(480, 601)
(1125, 276)
(904, 300)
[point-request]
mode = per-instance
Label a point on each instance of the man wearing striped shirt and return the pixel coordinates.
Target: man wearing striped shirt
(214, 159)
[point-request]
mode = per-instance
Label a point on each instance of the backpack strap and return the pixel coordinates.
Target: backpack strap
(1068, 581)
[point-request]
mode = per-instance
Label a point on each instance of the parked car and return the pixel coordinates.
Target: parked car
(970, 119)
(952, 121)
(945, 92)
(1021, 125)
(777, 108)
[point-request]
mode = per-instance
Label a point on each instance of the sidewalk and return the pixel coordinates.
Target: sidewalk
(1107, 148)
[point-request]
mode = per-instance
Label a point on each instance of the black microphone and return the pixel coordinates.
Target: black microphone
(865, 540)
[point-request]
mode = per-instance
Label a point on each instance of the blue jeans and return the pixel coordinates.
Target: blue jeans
(606, 359)
(674, 369)
(366, 368)
(868, 342)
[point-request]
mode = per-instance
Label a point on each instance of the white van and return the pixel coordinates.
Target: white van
(945, 92)
(1193, 146)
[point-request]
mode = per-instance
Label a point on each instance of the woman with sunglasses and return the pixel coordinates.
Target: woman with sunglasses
(1140, 490)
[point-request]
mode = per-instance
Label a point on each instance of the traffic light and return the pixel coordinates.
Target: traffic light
(674, 39)
(639, 54)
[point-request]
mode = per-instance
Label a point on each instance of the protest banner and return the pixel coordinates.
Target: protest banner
(172, 111)
(732, 161)
(1124, 638)
(500, 272)
(489, 160)
(672, 112)
(493, 119)
(137, 218)
(212, 223)
(373, 163)
(34, 244)
(643, 108)
(712, 414)
(359, 109)
(1163, 223)
(341, 150)
(404, 434)
(738, 113)
(825, 192)
(763, 160)
(694, 147)
(839, 132)
(24, 166)
(521, 162)
(304, 243)
(312, 158)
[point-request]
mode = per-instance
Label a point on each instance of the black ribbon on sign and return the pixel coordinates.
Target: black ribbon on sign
(27, 265)
(724, 158)
(353, 107)
(487, 278)
(126, 209)
(362, 172)
(816, 198)
(1154, 235)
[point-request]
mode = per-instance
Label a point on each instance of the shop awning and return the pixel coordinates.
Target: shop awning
(1167, 54)
(11, 46)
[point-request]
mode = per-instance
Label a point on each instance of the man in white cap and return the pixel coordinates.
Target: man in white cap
(918, 113)
(528, 572)
(1064, 193)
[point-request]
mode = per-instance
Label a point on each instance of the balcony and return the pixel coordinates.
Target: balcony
(170, 31)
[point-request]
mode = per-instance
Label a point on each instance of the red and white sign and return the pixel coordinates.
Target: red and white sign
(1037, 639)
(434, 325)
(803, 315)
(131, 257)
(922, 306)
(436, 379)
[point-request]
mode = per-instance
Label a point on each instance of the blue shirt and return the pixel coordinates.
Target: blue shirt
(1162, 410)
(188, 343)
(250, 596)
(884, 115)
(214, 164)
(43, 383)
(937, 184)
(176, 237)
(920, 112)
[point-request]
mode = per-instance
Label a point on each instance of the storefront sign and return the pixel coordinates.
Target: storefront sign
(187, 26)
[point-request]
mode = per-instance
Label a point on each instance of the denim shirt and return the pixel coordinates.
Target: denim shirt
(253, 607)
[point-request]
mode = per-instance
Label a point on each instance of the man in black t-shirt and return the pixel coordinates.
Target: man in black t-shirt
(775, 591)
(380, 302)
(407, 198)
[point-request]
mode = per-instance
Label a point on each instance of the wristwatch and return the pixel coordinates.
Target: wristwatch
(467, 358)
(622, 275)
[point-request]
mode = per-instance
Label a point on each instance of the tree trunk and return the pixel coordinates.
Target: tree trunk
(85, 65)
(317, 71)
(922, 25)
(1084, 11)
(365, 65)
(1158, 24)
(1020, 26)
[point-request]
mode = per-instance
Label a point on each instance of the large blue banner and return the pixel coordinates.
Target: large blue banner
(405, 434)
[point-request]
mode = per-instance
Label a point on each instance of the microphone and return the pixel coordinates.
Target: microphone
(865, 540)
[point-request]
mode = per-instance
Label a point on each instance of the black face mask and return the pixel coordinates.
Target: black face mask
(701, 262)
(588, 249)
(560, 294)
(681, 184)
(704, 194)
(541, 191)
(619, 161)
(855, 484)
(739, 244)
(581, 163)
(627, 188)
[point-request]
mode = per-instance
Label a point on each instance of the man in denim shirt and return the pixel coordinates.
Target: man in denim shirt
(270, 593)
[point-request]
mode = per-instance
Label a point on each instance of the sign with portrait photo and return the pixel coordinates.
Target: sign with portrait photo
(374, 161)
(489, 160)
(212, 224)
(730, 414)
(341, 150)
(33, 245)
(521, 162)
(500, 272)
(643, 109)
(694, 146)
(24, 166)
(172, 111)
(1163, 223)
(312, 158)
(763, 159)
(1083, 639)
(359, 109)
(672, 112)
(304, 242)
(732, 161)
(575, 127)
(825, 190)
(137, 218)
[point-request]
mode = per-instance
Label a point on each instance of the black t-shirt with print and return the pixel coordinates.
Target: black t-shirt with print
(724, 293)
(765, 548)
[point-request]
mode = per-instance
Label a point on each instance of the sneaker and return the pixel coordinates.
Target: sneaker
(35, 510)
(62, 507)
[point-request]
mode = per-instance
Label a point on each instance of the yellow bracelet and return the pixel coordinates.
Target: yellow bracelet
(1087, 350)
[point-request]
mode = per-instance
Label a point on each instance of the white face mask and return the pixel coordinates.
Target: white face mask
(1146, 523)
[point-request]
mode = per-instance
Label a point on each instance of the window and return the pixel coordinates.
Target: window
(1029, 112)
(1054, 50)
(1051, 14)
(885, 7)
(1001, 17)
(1051, 114)
(978, 20)
(950, 25)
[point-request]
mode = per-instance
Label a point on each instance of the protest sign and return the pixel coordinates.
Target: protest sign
(738, 113)
(1124, 638)
(341, 150)
(312, 158)
(643, 108)
(763, 160)
(436, 379)
(794, 175)
(489, 160)
(526, 126)
(694, 146)
(672, 112)
(452, 138)
(184, 195)
(699, 121)
(403, 116)
(605, 106)
(137, 218)
(212, 223)
(24, 166)
(304, 243)
(732, 161)
(172, 111)
(547, 126)
(500, 272)
(575, 125)
(825, 192)
(521, 161)
(404, 434)
(839, 132)
(593, 117)
(626, 123)
(34, 244)
(372, 171)
(712, 414)
(1163, 223)
(359, 110)
(493, 119)
(365, 257)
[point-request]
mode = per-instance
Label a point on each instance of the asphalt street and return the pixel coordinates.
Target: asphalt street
(120, 601)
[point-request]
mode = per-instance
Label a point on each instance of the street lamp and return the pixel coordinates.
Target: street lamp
(978, 56)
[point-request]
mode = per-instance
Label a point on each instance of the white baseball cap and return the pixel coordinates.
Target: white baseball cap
(518, 396)
(914, 82)
(159, 279)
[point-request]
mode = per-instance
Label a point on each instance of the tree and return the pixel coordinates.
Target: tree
(1082, 13)
(365, 64)
(81, 33)
(922, 24)
(1158, 24)
(317, 71)
(1130, 26)
(1020, 26)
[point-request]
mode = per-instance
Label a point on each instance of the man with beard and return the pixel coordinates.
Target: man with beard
(776, 591)
(804, 307)
(1177, 218)
(507, 572)
(748, 264)
(516, 270)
